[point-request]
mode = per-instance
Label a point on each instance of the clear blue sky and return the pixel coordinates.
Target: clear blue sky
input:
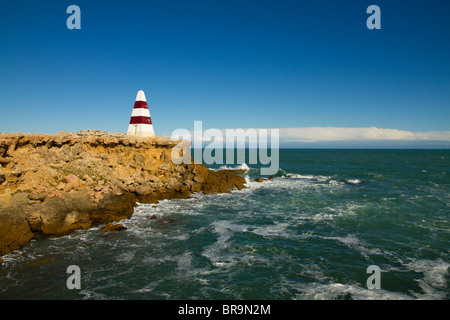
(231, 64)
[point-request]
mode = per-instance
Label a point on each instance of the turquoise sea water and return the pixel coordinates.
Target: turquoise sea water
(310, 233)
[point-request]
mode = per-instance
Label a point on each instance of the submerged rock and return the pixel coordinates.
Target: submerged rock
(113, 228)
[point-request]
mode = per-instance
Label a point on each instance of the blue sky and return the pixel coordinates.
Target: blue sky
(232, 64)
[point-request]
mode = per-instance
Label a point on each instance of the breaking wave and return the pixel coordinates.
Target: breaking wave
(323, 179)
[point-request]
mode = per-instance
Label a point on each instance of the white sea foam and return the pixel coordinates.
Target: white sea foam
(92, 295)
(354, 243)
(435, 274)
(277, 229)
(354, 181)
(183, 261)
(149, 287)
(327, 288)
(350, 240)
(331, 213)
(335, 290)
(222, 255)
(125, 257)
(319, 178)
(181, 237)
(243, 166)
(308, 177)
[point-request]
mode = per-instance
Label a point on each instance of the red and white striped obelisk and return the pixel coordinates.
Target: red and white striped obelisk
(141, 123)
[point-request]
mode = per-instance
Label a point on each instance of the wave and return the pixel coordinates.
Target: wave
(308, 177)
(434, 282)
(243, 166)
(324, 179)
(335, 290)
(354, 181)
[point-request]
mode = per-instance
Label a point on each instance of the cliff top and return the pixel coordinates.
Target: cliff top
(85, 136)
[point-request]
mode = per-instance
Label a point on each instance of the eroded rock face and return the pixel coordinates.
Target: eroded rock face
(14, 232)
(54, 184)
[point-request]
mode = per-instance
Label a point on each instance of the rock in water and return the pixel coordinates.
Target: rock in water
(113, 228)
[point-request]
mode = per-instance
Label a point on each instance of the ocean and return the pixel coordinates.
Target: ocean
(311, 232)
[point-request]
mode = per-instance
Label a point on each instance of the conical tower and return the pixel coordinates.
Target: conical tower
(140, 122)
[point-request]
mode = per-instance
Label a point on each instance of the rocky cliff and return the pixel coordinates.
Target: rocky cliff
(53, 184)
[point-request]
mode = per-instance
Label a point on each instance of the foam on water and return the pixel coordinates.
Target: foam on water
(434, 281)
(354, 181)
(243, 166)
(335, 290)
(125, 257)
(325, 179)
(354, 243)
(214, 252)
(275, 230)
(308, 177)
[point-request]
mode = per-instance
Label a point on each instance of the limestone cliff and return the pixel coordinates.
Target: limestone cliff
(53, 184)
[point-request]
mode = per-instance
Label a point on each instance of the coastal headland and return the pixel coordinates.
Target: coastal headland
(54, 184)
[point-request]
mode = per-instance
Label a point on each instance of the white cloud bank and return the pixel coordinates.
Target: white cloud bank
(317, 134)
(317, 137)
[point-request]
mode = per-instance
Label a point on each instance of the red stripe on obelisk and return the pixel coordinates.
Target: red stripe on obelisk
(140, 104)
(140, 120)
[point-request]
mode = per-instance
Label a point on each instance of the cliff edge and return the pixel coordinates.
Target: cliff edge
(54, 184)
